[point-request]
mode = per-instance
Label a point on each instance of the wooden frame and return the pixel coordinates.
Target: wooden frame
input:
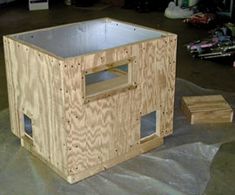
(78, 136)
(117, 85)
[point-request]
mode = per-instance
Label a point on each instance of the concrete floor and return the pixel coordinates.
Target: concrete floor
(203, 73)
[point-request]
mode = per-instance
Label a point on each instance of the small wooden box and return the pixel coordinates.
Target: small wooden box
(207, 109)
(80, 94)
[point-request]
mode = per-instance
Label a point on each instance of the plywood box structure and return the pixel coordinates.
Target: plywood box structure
(86, 96)
(206, 109)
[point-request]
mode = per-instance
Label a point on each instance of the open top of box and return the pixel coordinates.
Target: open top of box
(87, 37)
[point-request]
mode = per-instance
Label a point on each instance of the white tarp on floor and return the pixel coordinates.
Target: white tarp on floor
(180, 166)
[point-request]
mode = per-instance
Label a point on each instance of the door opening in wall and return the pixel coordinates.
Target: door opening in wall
(28, 126)
(148, 124)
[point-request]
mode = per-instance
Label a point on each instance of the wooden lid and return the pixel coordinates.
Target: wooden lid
(206, 103)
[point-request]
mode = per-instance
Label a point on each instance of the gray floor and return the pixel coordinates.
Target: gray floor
(183, 165)
(204, 73)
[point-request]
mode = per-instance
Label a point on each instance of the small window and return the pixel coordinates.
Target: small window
(107, 80)
(148, 124)
(28, 126)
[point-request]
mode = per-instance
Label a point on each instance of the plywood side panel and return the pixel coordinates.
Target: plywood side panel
(148, 78)
(166, 53)
(38, 93)
(170, 74)
(108, 128)
(9, 62)
(135, 96)
(74, 116)
(156, 77)
(102, 129)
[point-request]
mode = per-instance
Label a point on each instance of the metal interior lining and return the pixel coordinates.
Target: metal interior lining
(99, 77)
(86, 37)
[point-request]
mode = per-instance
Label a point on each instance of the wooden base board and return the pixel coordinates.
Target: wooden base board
(143, 147)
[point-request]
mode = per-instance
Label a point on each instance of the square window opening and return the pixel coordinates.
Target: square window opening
(28, 126)
(107, 80)
(148, 124)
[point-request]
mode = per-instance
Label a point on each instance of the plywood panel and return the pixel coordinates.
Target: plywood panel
(148, 75)
(36, 80)
(11, 92)
(166, 83)
(74, 116)
(170, 74)
(109, 127)
(104, 124)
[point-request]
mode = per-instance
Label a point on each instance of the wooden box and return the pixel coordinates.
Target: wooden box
(207, 109)
(86, 96)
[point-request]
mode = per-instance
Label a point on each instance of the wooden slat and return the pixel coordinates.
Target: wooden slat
(220, 116)
(206, 109)
(11, 91)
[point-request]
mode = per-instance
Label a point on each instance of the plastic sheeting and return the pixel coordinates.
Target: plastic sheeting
(180, 166)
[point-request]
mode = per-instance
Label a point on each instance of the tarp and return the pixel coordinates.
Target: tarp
(180, 166)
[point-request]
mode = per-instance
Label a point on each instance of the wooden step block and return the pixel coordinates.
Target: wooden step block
(207, 109)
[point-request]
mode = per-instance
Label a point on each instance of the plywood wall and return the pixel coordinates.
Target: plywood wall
(109, 128)
(35, 88)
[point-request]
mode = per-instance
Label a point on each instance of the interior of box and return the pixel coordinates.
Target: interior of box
(87, 37)
(106, 80)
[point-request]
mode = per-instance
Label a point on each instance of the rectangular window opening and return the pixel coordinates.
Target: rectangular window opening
(148, 124)
(106, 80)
(28, 126)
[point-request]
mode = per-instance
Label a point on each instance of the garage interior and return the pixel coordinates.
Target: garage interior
(218, 75)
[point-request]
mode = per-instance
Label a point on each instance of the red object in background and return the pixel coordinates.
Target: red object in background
(200, 18)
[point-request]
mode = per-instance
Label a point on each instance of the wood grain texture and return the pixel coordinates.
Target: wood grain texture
(206, 109)
(108, 128)
(145, 147)
(79, 138)
(11, 92)
(35, 89)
